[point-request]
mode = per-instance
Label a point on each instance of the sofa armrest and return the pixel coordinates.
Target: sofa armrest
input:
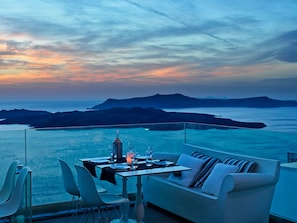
(246, 181)
(246, 197)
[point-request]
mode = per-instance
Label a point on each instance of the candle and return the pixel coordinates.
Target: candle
(129, 157)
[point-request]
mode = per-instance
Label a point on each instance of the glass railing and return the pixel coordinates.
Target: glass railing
(40, 148)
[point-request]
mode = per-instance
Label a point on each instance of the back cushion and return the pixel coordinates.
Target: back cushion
(186, 177)
(207, 167)
(244, 165)
(213, 183)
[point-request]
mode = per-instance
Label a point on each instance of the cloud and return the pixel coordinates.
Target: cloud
(149, 44)
(288, 53)
(159, 13)
(282, 47)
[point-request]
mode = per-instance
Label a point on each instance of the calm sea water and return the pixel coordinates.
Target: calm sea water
(50, 106)
(276, 119)
(44, 147)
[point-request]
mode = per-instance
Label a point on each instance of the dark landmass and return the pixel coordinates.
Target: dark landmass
(181, 101)
(116, 116)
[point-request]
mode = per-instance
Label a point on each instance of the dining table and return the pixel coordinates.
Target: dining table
(124, 170)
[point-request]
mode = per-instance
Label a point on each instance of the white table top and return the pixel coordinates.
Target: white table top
(130, 173)
(155, 170)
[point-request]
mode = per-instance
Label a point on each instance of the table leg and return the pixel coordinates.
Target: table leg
(124, 206)
(139, 207)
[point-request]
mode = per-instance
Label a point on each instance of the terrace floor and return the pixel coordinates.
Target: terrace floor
(153, 214)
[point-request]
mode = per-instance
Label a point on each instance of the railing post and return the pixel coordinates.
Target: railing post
(185, 132)
(28, 198)
(25, 147)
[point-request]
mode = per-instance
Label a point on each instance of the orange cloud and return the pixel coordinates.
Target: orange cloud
(20, 64)
(165, 72)
(250, 71)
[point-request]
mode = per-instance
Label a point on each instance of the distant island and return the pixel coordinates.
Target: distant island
(144, 111)
(118, 116)
(182, 101)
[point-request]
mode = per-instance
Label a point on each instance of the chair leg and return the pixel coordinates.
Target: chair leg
(105, 214)
(109, 212)
(74, 203)
(85, 211)
(6, 220)
(116, 210)
(13, 219)
(77, 205)
(89, 212)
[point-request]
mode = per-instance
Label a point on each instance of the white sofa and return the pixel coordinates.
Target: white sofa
(242, 198)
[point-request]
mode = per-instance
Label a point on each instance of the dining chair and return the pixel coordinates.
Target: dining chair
(71, 186)
(10, 208)
(9, 182)
(91, 198)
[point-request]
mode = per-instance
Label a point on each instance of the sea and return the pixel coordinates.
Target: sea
(40, 149)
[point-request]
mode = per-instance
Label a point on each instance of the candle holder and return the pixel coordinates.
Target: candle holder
(129, 157)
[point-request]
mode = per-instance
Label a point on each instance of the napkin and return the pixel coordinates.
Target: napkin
(91, 166)
(108, 174)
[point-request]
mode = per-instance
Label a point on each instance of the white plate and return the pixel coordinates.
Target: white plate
(119, 166)
(98, 160)
(141, 157)
(163, 162)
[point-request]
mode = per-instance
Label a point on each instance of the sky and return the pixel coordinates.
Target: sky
(89, 49)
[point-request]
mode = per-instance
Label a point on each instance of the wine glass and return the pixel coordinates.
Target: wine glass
(135, 160)
(112, 153)
(149, 156)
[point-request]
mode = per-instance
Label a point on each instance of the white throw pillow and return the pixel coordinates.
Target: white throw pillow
(186, 177)
(212, 184)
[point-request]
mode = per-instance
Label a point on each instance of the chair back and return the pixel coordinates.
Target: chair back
(9, 182)
(68, 179)
(15, 203)
(87, 187)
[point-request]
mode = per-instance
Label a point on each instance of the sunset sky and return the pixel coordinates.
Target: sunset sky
(88, 49)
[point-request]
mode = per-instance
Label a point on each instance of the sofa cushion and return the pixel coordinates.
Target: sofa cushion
(244, 165)
(186, 177)
(212, 184)
(206, 169)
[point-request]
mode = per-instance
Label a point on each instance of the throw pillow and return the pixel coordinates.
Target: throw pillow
(206, 169)
(186, 177)
(212, 184)
(244, 165)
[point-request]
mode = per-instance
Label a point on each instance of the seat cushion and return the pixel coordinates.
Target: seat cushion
(186, 177)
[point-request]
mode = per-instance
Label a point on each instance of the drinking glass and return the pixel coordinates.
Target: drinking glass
(135, 161)
(112, 153)
(149, 157)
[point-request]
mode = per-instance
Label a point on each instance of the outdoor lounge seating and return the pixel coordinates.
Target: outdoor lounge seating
(218, 192)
